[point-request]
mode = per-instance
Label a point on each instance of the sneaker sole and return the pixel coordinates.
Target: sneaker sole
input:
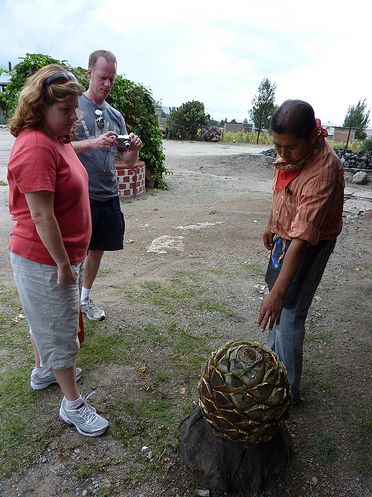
(38, 386)
(91, 318)
(70, 423)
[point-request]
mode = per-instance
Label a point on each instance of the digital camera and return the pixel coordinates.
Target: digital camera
(124, 141)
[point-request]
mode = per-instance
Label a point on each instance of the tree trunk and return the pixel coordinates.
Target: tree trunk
(237, 468)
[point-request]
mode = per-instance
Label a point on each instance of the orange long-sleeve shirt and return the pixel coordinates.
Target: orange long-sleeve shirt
(310, 207)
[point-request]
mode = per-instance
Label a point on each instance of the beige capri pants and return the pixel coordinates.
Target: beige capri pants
(52, 311)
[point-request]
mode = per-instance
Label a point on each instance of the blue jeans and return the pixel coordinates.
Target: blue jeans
(286, 339)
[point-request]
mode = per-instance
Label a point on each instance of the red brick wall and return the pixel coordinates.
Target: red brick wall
(131, 179)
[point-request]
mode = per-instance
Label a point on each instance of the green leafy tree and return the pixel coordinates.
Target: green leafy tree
(137, 105)
(28, 66)
(263, 106)
(133, 100)
(357, 117)
(184, 122)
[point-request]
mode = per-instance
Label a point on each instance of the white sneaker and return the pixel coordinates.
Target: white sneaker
(91, 310)
(39, 382)
(84, 418)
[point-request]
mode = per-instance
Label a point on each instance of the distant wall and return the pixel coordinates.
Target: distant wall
(340, 134)
(237, 128)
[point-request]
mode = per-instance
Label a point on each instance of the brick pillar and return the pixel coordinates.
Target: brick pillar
(131, 179)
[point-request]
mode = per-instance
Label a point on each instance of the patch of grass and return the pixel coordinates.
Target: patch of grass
(105, 491)
(325, 447)
(9, 302)
(217, 271)
(211, 305)
(3, 183)
(22, 437)
(103, 349)
(161, 377)
(16, 336)
(151, 421)
(184, 351)
(254, 269)
(314, 381)
(242, 137)
(84, 470)
(181, 290)
(364, 421)
(104, 271)
(320, 336)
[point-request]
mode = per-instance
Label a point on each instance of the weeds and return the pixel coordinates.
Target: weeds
(325, 447)
(214, 306)
(241, 137)
(254, 269)
(319, 336)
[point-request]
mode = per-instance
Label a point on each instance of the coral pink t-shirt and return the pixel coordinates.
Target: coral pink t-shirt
(40, 163)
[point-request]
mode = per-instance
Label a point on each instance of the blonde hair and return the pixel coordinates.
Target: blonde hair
(94, 56)
(37, 94)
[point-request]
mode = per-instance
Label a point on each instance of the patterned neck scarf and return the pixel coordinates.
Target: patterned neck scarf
(281, 163)
(289, 171)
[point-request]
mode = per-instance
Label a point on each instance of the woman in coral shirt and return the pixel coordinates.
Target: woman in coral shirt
(49, 202)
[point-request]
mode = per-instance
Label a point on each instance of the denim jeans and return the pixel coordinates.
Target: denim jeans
(286, 339)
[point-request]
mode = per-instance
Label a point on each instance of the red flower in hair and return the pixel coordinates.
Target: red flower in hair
(321, 131)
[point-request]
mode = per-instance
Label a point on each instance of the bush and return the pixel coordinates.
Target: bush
(133, 100)
(366, 145)
(28, 66)
(264, 139)
(185, 122)
(354, 146)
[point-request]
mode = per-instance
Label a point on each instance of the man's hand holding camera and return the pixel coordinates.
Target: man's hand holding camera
(135, 142)
(105, 141)
(110, 139)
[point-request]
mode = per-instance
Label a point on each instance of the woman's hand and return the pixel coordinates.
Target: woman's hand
(66, 275)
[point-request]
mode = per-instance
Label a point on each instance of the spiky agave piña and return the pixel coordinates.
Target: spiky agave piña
(244, 392)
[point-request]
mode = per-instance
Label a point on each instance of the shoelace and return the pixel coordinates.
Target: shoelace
(87, 412)
(91, 305)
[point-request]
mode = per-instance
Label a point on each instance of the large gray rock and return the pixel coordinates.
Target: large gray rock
(360, 178)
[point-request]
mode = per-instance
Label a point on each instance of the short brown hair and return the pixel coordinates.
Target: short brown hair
(37, 94)
(94, 56)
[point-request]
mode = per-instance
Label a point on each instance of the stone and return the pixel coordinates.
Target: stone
(349, 159)
(360, 178)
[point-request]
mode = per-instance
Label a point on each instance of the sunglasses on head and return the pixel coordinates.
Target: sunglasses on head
(66, 76)
(99, 119)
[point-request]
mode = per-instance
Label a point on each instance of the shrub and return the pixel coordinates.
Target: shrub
(264, 139)
(133, 100)
(366, 145)
(184, 122)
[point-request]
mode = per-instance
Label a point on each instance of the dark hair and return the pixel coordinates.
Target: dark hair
(94, 56)
(294, 117)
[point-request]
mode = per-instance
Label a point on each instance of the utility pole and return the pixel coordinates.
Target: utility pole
(348, 135)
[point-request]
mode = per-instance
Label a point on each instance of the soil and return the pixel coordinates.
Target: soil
(213, 216)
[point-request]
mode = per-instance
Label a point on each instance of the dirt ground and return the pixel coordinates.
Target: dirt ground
(212, 217)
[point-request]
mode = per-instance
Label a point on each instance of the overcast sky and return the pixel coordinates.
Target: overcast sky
(216, 52)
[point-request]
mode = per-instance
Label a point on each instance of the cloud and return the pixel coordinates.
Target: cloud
(211, 51)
